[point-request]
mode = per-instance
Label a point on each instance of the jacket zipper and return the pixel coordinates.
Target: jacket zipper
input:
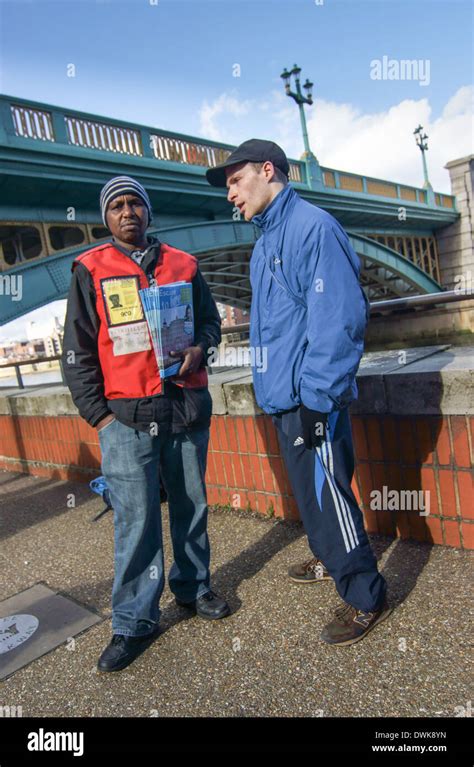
(261, 270)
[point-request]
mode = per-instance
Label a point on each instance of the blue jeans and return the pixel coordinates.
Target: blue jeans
(131, 463)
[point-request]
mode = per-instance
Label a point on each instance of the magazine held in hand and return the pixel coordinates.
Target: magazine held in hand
(169, 315)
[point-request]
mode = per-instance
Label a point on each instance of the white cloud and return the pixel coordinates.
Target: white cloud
(461, 103)
(379, 144)
(227, 106)
(43, 319)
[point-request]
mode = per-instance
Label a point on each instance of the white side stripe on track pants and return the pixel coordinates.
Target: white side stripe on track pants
(346, 523)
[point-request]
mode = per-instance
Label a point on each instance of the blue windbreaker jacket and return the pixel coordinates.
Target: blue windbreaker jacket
(309, 313)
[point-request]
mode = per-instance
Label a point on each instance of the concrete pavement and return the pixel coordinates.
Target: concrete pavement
(266, 659)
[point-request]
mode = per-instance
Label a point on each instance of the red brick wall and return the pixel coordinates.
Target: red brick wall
(61, 447)
(245, 468)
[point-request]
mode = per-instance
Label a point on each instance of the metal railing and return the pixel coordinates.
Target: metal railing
(188, 152)
(406, 302)
(47, 123)
(89, 133)
(428, 299)
(34, 361)
(109, 138)
(32, 123)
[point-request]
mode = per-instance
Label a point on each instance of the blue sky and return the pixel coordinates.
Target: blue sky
(157, 63)
(169, 64)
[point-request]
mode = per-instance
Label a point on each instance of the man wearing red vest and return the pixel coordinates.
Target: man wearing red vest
(147, 426)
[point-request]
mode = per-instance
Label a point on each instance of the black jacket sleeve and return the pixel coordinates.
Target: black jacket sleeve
(80, 358)
(207, 321)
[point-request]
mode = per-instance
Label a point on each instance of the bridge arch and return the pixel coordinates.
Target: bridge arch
(223, 249)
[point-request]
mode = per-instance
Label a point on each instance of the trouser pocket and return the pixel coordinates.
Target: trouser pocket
(99, 431)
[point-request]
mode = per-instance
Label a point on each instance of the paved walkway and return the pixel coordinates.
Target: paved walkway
(264, 660)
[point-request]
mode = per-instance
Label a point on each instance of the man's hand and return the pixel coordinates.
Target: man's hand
(104, 421)
(192, 357)
(314, 426)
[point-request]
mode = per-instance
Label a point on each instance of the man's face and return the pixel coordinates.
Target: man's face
(248, 189)
(127, 218)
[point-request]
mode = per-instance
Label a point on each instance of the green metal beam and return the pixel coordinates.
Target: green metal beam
(56, 173)
(392, 260)
(47, 279)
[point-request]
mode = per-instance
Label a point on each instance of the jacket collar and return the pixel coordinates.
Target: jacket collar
(149, 258)
(277, 210)
(152, 243)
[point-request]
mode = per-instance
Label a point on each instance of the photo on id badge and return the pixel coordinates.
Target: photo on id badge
(127, 327)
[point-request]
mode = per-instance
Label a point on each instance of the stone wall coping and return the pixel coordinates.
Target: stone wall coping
(418, 381)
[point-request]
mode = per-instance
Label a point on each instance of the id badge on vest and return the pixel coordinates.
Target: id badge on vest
(125, 319)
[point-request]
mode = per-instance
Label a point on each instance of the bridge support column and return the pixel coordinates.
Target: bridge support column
(452, 323)
(456, 245)
(456, 242)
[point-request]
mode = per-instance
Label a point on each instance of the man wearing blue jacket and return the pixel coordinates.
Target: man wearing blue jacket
(310, 314)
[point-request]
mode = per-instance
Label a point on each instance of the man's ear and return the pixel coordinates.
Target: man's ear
(269, 170)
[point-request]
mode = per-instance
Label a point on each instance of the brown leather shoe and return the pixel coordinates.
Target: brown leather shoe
(310, 571)
(351, 625)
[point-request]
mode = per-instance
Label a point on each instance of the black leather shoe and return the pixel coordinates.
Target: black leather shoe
(122, 650)
(210, 606)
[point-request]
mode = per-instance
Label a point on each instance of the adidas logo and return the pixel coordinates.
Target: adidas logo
(298, 441)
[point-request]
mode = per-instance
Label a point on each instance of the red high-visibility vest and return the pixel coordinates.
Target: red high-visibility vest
(125, 349)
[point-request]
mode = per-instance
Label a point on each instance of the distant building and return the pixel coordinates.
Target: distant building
(232, 315)
(17, 351)
(53, 345)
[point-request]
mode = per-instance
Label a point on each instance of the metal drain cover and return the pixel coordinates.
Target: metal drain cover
(34, 622)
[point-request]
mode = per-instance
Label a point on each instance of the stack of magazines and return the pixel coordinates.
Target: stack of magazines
(169, 314)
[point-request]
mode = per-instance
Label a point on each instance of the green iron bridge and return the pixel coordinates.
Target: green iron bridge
(54, 161)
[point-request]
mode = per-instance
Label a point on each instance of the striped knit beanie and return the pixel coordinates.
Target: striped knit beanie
(122, 185)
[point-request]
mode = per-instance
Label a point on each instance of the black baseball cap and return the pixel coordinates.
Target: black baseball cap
(253, 150)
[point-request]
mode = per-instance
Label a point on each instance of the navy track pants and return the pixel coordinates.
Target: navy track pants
(321, 481)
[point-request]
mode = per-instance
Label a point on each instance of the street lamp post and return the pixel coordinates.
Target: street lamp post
(312, 166)
(421, 142)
